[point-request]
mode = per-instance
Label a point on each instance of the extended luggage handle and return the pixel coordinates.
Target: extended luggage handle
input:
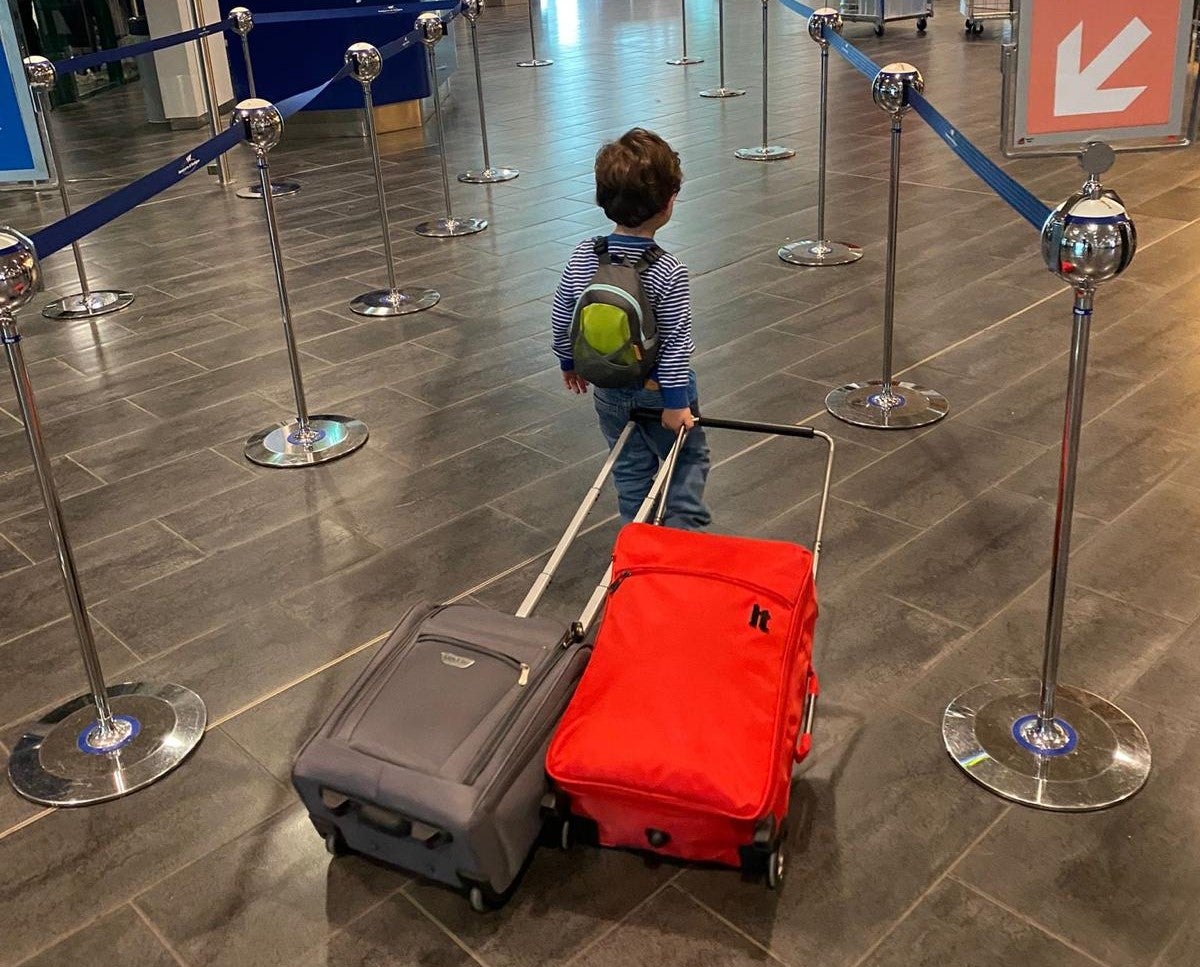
(753, 426)
(568, 538)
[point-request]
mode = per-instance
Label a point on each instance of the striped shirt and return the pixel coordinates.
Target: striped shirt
(669, 292)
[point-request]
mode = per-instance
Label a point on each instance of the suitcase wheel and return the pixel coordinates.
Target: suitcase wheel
(484, 899)
(335, 845)
(565, 839)
(776, 864)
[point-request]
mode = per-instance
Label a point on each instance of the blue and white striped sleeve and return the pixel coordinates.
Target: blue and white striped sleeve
(574, 280)
(674, 315)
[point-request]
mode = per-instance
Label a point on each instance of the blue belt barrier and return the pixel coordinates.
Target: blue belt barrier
(58, 236)
(100, 57)
(1026, 204)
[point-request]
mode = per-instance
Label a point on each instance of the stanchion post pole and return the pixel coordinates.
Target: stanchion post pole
(819, 251)
(109, 741)
(306, 440)
(209, 85)
(366, 64)
(432, 30)
(87, 303)
(764, 151)
(534, 60)
(684, 60)
(487, 175)
(721, 90)
(1040, 743)
(888, 404)
(243, 23)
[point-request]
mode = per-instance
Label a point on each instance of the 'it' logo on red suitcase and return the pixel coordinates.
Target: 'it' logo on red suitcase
(759, 618)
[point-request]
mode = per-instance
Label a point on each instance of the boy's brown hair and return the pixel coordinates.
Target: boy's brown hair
(636, 175)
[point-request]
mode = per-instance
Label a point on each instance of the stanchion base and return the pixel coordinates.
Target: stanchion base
(815, 253)
(395, 302)
(722, 92)
(538, 62)
(451, 227)
(279, 189)
(98, 303)
(56, 764)
(1104, 760)
(685, 61)
(283, 445)
(863, 404)
(764, 152)
(488, 176)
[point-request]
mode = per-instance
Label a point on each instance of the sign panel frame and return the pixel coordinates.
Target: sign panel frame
(1018, 141)
(22, 150)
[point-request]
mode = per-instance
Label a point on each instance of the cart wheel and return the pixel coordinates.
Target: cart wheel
(922, 23)
(978, 26)
(775, 868)
(335, 845)
(879, 30)
(970, 25)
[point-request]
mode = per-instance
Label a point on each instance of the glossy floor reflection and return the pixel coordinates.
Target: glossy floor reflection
(265, 590)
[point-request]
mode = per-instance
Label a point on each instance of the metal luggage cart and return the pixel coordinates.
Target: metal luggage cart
(979, 11)
(880, 12)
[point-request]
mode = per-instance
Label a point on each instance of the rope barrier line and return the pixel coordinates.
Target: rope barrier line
(340, 13)
(1011, 191)
(62, 233)
(101, 57)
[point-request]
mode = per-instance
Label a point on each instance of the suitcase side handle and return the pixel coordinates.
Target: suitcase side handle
(384, 820)
(771, 429)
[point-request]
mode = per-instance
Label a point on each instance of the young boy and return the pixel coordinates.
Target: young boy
(637, 180)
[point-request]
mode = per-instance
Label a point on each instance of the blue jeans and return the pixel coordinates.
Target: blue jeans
(648, 445)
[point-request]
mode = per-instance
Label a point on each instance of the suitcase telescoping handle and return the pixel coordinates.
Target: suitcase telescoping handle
(771, 429)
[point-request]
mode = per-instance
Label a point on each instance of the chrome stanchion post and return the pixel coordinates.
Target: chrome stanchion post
(889, 404)
(110, 741)
(685, 60)
(365, 65)
(1041, 743)
(88, 302)
(209, 85)
(432, 30)
(487, 175)
(721, 90)
(820, 250)
(306, 440)
(243, 23)
(534, 60)
(764, 151)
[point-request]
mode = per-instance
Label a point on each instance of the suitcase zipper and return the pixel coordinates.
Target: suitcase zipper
(488, 749)
(521, 667)
(749, 585)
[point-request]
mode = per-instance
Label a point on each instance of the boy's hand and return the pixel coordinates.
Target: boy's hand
(676, 420)
(574, 382)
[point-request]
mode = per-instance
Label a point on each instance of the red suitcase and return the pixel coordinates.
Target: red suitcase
(699, 696)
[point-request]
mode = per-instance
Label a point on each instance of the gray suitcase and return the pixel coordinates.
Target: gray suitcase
(434, 760)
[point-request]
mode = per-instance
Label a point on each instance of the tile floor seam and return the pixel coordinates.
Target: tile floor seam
(158, 934)
(31, 561)
(428, 915)
(1179, 931)
(938, 880)
(932, 614)
(1029, 921)
(170, 530)
(91, 473)
(620, 921)
(730, 924)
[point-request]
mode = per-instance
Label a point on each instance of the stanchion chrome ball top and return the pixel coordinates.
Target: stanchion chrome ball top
(891, 87)
(820, 19)
(242, 21)
(289, 444)
(365, 62)
(1082, 752)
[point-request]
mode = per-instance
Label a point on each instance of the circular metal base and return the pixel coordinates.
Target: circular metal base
(685, 61)
(98, 303)
(534, 63)
(1097, 757)
(815, 253)
(279, 189)
(764, 152)
(451, 227)
(722, 92)
(286, 445)
(62, 760)
(395, 302)
(488, 176)
(864, 404)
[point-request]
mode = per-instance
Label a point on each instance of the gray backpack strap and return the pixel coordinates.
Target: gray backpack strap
(648, 258)
(600, 247)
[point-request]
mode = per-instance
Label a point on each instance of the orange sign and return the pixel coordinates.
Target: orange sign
(1102, 68)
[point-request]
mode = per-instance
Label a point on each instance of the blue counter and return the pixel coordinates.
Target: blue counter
(293, 57)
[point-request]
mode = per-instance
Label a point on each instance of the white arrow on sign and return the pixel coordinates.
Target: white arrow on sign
(1077, 88)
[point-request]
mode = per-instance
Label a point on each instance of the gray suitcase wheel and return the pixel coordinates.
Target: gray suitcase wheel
(335, 845)
(484, 899)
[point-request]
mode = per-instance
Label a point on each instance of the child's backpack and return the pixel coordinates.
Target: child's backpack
(614, 335)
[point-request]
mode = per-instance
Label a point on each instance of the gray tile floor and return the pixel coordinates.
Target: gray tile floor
(266, 590)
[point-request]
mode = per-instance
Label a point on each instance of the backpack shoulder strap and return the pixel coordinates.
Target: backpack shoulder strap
(600, 247)
(649, 258)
